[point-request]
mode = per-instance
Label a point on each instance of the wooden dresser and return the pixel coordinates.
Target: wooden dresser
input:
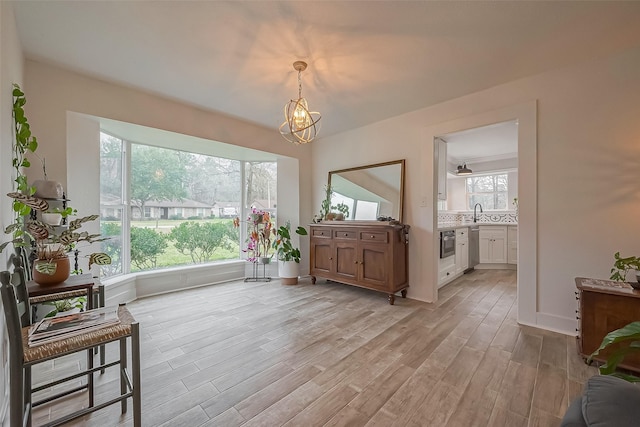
(368, 254)
(604, 306)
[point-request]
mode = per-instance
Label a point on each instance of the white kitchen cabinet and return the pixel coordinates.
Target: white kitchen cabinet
(446, 270)
(462, 249)
(441, 153)
(493, 244)
(512, 239)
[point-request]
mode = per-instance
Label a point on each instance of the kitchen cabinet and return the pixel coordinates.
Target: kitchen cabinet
(462, 249)
(370, 255)
(604, 306)
(512, 242)
(441, 153)
(446, 270)
(493, 244)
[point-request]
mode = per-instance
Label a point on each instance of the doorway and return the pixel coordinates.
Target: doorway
(478, 185)
(526, 116)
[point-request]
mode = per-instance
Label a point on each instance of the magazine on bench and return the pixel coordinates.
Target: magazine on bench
(69, 325)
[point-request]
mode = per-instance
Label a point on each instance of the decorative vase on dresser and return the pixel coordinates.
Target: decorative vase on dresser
(368, 254)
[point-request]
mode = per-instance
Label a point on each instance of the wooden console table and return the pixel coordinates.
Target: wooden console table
(368, 254)
(605, 306)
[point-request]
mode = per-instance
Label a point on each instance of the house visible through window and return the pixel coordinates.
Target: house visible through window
(488, 190)
(178, 207)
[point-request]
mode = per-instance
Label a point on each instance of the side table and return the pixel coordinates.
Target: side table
(605, 306)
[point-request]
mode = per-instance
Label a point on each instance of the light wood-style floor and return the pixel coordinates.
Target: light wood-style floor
(265, 354)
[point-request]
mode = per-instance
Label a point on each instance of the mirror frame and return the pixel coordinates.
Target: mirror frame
(375, 165)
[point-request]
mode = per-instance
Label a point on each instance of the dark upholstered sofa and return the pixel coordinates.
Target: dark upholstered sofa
(606, 402)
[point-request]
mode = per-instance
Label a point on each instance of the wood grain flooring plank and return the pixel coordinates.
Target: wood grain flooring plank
(375, 395)
(501, 417)
(229, 418)
(527, 350)
(554, 351)
(288, 407)
(272, 393)
(253, 385)
(191, 417)
(516, 389)
(323, 408)
(550, 394)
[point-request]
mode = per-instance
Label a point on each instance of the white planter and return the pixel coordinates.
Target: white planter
(288, 271)
(51, 218)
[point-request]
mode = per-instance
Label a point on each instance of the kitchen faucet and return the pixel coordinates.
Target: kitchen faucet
(475, 215)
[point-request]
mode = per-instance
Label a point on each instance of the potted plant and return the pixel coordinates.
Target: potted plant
(288, 255)
(620, 343)
(259, 236)
(621, 268)
(52, 265)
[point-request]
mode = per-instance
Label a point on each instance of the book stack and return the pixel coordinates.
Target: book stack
(69, 325)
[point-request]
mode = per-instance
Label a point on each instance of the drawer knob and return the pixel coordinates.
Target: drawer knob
(330, 258)
(373, 237)
(346, 234)
(355, 262)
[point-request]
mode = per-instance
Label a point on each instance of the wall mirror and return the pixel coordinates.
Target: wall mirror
(370, 191)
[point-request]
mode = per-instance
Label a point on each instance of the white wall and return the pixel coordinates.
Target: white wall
(11, 71)
(588, 150)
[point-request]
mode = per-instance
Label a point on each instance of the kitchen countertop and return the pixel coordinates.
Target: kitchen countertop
(454, 225)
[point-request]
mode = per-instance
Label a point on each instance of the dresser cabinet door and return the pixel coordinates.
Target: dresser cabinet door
(374, 266)
(321, 256)
(346, 260)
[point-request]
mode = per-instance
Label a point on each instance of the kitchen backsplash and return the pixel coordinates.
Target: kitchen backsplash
(504, 217)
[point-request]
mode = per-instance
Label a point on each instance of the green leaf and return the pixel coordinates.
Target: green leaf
(99, 259)
(630, 332)
(45, 267)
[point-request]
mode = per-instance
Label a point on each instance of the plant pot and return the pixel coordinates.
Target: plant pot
(51, 218)
(63, 269)
(48, 189)
(288, 271)
(636, 284)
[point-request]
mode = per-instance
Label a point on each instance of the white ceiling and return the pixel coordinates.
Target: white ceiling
(367, 60)
(494, 142)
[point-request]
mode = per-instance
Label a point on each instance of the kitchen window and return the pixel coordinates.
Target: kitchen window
(491, 191)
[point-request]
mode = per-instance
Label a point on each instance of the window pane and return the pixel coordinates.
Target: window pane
(366, 210)
(489, 190)
(110, 170)
(261, 185)
(177, 199)
(111, 203)
(112, 227)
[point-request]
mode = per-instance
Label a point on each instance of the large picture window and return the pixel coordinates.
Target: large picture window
(491, 191)
(172, 207)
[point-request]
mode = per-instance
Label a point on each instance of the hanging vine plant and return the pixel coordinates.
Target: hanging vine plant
(24, 142)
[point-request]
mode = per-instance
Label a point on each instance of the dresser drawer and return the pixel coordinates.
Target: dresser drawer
(373, 236)
(345, 234)
(322, 232)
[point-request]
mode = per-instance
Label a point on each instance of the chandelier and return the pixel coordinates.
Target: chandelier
(300, 125)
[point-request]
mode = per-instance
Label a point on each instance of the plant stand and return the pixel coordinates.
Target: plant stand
(256, 277)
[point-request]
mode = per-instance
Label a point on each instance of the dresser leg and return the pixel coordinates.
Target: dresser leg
(313, 280)
(403, 293)
(392, 299)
